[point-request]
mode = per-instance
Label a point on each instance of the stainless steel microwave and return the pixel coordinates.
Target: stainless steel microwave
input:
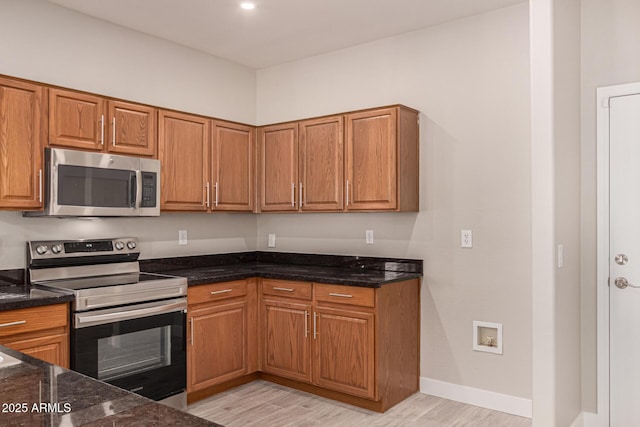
(79, 183)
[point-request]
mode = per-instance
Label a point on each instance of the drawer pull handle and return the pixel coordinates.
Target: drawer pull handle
(19, 322)
(221, 292)
(306, 321)
(283, 289)
(333, 294)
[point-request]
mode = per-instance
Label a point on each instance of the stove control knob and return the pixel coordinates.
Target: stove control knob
(131, 244)
(42, 249)
(119, 245)
(56, 249)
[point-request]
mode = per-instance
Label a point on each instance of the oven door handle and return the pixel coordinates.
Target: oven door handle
(83, 320)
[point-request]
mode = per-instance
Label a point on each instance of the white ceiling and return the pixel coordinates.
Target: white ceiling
(278, 31)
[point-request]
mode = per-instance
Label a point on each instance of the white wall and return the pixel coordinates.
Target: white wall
(610, 40)
(470, 80)
(50, 44)
(566, 143)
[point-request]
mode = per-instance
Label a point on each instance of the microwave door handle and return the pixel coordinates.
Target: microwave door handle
(136, 190)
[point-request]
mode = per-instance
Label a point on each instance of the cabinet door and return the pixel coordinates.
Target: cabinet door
(131, 129)
(22, 136)
(52, 348)
(183, 142)
(321, 164)
(233, 159)
(278, 153)
(76, 120)
(371, 160)
(286, 339)
(344, 351)
(217, 347)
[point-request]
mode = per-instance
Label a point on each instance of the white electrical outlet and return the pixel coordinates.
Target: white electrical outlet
(272, 241)
(466, 239)
(182, 237)
(368, 237)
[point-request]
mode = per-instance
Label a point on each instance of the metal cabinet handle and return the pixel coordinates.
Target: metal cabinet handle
(347, 192)
(113, 129)
(293, 194)
(300, 194)
(206, 186)
(191, 325)
(40, 185)
(315, 325)
(19, 322)
(102, 130)
(225, 291)
(340, 295)
(306, 324)
(283, 289)
(216, 188)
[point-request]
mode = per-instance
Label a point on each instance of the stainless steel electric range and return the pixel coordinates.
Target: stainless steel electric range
(128, 328)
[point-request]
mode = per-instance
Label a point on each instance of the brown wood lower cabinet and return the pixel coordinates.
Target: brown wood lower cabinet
(358, 345)
(41, 332)
(344, 351)
(221, 336)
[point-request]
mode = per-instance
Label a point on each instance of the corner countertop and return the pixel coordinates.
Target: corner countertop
(358, 271)
(33, 392)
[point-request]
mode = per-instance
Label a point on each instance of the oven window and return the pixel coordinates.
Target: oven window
(135, 352)
(99, 187)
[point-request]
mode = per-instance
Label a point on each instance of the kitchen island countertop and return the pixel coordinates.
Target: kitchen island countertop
(33, 392)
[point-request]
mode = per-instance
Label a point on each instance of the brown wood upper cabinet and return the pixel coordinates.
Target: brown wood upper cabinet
(301, 165)
(321, 164)
(23, 133)
(233, 155)
(278, 163)
(382, 160)
(90, 122)
(183, 150)
(207, 165)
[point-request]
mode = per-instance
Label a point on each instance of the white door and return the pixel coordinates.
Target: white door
(624, 260)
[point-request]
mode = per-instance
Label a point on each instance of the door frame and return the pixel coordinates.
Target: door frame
(604, 94)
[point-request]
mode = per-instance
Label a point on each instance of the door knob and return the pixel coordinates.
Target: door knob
(623, 283)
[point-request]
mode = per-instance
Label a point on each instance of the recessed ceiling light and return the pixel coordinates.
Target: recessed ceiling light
(247, 5)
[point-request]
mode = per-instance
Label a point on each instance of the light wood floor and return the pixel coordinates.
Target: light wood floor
(261, 403)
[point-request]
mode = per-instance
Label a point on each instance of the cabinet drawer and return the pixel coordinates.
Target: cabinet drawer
(340, 294)
(217, 291)
(300, 290)
(14, 322)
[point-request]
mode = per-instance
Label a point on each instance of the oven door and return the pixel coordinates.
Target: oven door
(141, 347)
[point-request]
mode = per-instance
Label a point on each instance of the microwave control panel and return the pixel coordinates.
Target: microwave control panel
(149, 190)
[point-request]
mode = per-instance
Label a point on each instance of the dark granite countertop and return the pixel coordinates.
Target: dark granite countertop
(14, 293)
(334, 269)
(72, 399)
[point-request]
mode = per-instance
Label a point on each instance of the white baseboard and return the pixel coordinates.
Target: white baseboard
(477, 397)
(585, 419)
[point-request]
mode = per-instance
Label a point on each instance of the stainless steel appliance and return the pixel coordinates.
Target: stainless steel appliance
(128, 328)
(79, 183)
